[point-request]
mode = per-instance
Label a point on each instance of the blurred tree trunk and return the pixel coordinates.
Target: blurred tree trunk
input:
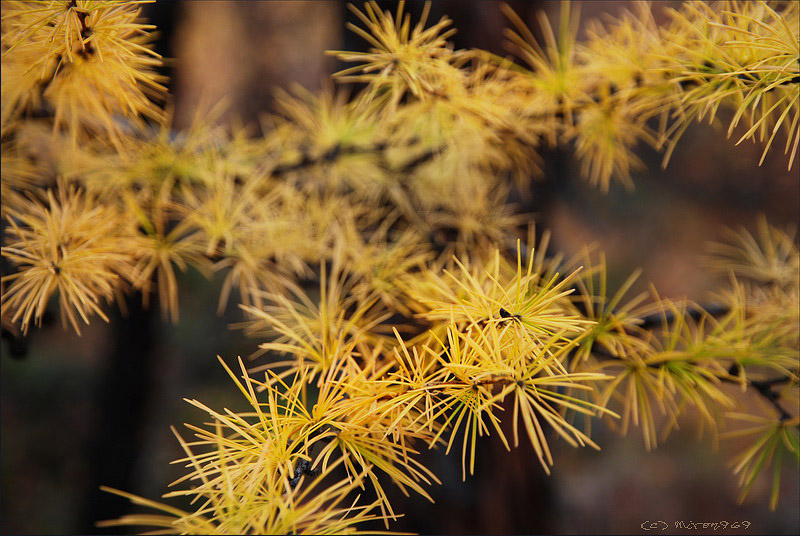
(242, 50)
(121, 401)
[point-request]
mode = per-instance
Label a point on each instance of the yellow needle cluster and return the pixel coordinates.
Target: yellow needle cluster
(369, 239)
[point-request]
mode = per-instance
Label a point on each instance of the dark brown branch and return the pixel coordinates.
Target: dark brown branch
(657, 319)
(303, 467)
(333, 154)
(416, 162)
(763, 387)
(86, 31)
(338, 151)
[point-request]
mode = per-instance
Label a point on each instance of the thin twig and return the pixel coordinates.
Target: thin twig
(763, 387)
(338, 151)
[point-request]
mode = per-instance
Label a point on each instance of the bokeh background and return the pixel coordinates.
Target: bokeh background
(80, 412)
